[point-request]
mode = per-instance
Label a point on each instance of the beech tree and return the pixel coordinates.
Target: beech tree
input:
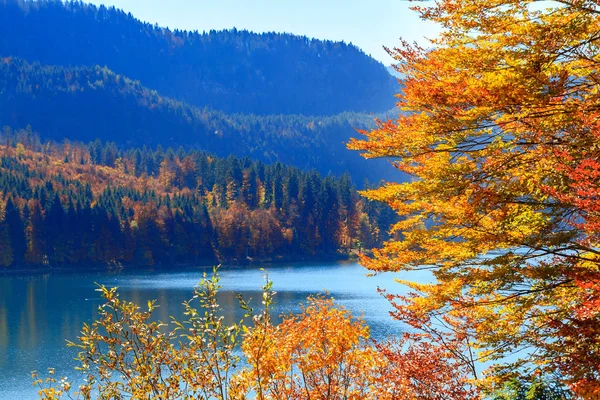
(499, 129)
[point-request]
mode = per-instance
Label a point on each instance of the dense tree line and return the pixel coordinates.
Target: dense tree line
(232, 70)
(75, 203)
(87, 103)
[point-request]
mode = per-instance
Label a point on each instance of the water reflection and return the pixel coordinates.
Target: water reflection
(39, 313)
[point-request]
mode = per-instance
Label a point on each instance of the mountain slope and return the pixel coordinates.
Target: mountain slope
(84, 103)
(232, 71)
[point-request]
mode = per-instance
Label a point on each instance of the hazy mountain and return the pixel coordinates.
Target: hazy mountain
(86, 103)
(233, 70)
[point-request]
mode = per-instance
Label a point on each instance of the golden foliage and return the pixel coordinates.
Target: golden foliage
(323, 353)
(499, 130)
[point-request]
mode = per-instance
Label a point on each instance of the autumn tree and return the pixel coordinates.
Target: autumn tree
(126, 354)
(499, 129)
(320, 353)
(35, 235)
(167, 173)
(323, 353)
(417, 369)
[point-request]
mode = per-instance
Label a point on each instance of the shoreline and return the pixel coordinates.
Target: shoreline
(333, 257)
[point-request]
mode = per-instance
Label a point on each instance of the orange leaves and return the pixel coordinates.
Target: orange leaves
(421, 370)
(321, 353)
(500, 134)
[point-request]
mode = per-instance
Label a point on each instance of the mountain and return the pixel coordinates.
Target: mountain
(232, 71)
(86, 103)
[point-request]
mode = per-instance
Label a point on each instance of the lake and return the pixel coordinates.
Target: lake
(39, 313)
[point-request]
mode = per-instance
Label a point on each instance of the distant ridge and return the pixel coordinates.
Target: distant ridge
(233, 71)
(86, 103)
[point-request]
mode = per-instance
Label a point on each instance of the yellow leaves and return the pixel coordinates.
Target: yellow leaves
(320, 351)
(494, 117)
(323, 352)
(51, 388)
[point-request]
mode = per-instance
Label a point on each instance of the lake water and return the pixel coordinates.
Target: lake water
(39, 313)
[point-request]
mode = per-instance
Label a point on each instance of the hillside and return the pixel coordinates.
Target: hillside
(233, 71)
(83, 104)
(80, 204)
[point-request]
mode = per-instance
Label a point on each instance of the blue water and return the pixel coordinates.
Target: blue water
(39, 313)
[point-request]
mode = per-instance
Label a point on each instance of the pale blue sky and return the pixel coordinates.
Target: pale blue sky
(369, 24)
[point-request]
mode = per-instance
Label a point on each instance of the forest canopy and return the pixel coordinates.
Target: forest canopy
(75, 204)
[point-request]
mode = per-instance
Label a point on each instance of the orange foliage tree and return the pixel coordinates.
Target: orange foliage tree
(321, 353)
(500, 132)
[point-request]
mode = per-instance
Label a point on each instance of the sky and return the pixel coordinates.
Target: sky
(369, 24)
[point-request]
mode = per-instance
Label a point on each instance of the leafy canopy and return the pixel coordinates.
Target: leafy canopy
(499, 128)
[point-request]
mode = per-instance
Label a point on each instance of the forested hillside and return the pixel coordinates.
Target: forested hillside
(81, 204)
(249, 114)
(232, 71)
(82, 103)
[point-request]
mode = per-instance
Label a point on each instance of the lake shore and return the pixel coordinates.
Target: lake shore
(40, 312)
(247, 262)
